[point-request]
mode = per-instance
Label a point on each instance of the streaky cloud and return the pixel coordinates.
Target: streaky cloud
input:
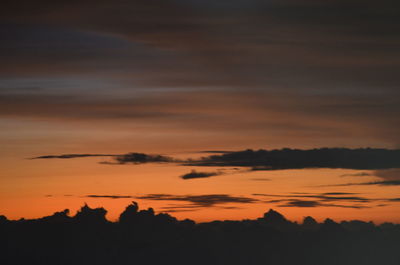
(208, 200)
(279, 159)
(195, 175)
(70, 156)
(141, 158)
(379, 183)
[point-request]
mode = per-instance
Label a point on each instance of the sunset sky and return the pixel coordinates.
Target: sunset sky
(156, 101)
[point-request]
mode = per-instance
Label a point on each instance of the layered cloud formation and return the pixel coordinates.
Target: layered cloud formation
(363, 158)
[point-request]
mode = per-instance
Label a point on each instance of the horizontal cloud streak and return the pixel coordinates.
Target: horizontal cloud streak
(200, 200)
(196, 201)
(367, 158)
(279, 159)
(308, 204)
(141, 158)
(379, 183)
(327, 199)
(195, 175)
(69, 156)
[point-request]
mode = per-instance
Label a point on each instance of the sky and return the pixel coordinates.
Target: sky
(105, 102)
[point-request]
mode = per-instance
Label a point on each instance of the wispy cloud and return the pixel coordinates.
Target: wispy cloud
(361, 174)
(209, 200)
(195, 175)
(379, 183)
(69, 156)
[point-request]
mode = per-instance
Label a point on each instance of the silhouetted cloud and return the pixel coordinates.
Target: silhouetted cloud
(141, 158)
(194, 175)
(308, 203)
(196, 201)
(279, 159)
(150, 238)
(323, 197)
(339, 193)
(180, 208)
(129, 158)
(327, 199)
(109, 196)
(213, 152)
(69, 156)
(210, 200)
(364, 158)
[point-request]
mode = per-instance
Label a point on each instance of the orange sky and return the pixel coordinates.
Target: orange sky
(35, 188)
(180, 77)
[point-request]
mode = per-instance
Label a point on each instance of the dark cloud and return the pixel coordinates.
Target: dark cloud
(109, 196)
(129, 158)
(339, 193)
(379, 183)
(367, 158)
(279, 159)
(274, 37)
(328, 199)
(383, 183)
(304, 203)
(214, 152)
(68, 156)
(323, 197)
(180, 208)
(149, 238)
(141, 158)
(195, 174)
(333, 64)
(195, 201)
(200, 200)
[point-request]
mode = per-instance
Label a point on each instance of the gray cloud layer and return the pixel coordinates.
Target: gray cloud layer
(279, 159)
(306, 70)
(252, 43)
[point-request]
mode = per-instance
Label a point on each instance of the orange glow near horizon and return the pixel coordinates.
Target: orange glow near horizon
(41, 187)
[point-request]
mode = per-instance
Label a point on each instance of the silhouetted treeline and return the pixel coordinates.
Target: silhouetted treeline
(143, 237)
